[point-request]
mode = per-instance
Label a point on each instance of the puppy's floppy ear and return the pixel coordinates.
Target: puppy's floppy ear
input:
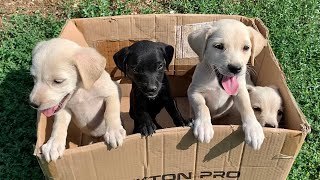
(250, 88)
(275, 88)
(257, 41)
(168, 52)
(120, 59)
(90, 65)
(38, 46)
(198, 40)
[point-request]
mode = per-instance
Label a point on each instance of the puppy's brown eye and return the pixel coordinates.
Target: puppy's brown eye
(219, 46)
(246, 48)
(257, 109)
(160, 66)
(133, 69)
(280, 113)
(58, 81)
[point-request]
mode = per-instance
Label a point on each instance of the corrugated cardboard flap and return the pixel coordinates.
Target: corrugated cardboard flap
(71, 32)
(175, 151)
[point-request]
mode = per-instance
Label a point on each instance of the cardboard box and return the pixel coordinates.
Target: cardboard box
(173, 153)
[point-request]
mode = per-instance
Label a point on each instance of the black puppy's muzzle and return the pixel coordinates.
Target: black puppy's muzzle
(151, 90)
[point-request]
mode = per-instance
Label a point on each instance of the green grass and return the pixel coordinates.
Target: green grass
(294, 35)
(17, 120)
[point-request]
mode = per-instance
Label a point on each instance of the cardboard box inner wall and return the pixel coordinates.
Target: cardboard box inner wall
(173, 153)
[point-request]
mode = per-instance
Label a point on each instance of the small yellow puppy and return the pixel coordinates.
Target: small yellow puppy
(70, 80)
(266, 103)
(219, 81)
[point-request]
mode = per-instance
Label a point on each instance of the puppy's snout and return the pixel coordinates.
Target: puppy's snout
(234, 69)
(34, 105)
(152, 89)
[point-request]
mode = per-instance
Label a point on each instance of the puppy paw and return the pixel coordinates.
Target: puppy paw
(203, 131)
(182, 122)
(146, 129)
(188, 122)
(254, 135)
(53, 149)
(114, 136)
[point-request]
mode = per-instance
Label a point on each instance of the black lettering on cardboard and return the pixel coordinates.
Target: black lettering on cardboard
(145, 178)
(180, 175)
(205, 174)
(218, 174)
(171, 176)
(154, 177)
(233, 174)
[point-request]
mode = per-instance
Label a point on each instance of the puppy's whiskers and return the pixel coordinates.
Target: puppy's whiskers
(158, 81)
(252, 71)
(139, 88)
(213, 69)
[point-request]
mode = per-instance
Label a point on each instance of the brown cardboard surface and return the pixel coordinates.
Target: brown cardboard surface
(173, 153)
(71, 32)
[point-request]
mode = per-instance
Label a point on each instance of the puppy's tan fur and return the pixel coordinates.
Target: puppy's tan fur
(64, 70)
(206, 97)
(267, 104)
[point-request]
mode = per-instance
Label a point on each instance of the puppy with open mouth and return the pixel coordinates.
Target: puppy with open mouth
(219, 81)
(144, 63)
(70, 80)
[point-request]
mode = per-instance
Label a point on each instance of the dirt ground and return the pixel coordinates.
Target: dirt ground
(54, 7)
(44, 7)
(8, 7)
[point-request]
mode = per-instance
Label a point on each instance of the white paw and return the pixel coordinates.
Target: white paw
(115, 136)
(53, 149)
(202, 130)
(254, 135)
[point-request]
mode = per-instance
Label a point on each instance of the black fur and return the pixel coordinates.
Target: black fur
(144, 63)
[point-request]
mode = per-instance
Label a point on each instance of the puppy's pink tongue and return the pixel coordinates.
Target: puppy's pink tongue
(50, 111)
(230, 85)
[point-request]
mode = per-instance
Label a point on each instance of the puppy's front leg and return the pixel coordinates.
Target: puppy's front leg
(174, 112)
(202, 128)
(143, 123)
(253, 131)
(115, 132)
(56, 145)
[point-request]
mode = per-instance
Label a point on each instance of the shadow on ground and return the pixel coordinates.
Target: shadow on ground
(17, 128)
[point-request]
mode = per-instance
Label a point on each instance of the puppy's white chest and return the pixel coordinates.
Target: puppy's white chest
(217, 101)
(82, 95)
(88, 113)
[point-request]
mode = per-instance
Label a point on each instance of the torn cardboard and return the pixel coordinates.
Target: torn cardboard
(173, 153)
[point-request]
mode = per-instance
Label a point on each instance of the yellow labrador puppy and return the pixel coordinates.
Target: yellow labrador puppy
(219, 80)
(266, 103)
(71, 80)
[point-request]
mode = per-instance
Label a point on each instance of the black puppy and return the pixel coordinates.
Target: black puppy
(144, 62)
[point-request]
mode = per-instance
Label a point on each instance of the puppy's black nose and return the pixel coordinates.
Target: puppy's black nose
(234, 69)
(34, 105)
(152, 89)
